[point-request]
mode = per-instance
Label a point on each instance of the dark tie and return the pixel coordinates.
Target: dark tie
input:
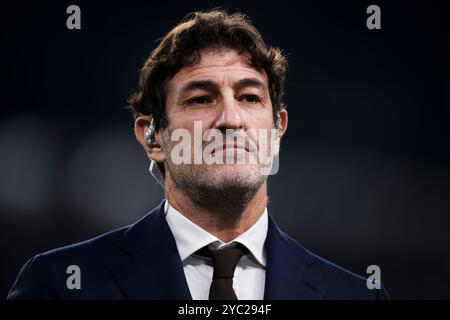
(224, 263)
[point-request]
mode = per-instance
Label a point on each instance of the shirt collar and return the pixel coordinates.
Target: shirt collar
(189, 237)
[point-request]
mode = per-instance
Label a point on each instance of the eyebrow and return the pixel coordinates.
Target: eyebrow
(206, 85)
(249, 82)
(211, 86)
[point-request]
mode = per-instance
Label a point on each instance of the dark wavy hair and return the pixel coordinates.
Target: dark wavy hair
(183, 45)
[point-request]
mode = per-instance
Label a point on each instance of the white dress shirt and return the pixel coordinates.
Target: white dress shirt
(250, 273)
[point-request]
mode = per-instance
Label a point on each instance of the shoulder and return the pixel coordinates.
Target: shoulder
(343, 284)
(44, 275)
(93, 249)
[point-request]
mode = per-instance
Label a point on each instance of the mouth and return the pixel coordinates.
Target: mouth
(229, 146)
(234, 146)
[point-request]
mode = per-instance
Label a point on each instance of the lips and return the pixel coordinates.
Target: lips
(234, 146)
(225, 146)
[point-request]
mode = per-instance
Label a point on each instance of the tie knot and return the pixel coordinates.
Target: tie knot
(224, 260)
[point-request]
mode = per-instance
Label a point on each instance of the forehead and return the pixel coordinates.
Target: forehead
(218, 65)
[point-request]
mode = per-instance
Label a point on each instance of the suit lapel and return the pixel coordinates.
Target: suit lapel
(288, 272)
(147, 265)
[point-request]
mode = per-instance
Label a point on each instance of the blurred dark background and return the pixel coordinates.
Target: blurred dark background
(364, 169)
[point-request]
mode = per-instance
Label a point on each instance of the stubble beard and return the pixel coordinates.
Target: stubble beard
(223, 189)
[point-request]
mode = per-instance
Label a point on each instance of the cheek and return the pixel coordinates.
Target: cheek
(260, 119)
(185, 117)
(259, 128)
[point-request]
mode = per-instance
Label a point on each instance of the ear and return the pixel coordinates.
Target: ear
(282, 127)
(154, 150)
(283, 115)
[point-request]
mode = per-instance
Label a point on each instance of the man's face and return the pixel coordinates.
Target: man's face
(221, 92)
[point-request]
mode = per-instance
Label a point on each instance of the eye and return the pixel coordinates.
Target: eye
(199, 100)
(250, 98)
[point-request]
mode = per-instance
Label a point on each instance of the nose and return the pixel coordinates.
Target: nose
(230, 114)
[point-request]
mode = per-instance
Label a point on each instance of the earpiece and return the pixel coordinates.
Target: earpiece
(149, 134)
(149, 137)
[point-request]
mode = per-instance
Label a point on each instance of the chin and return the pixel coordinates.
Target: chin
(234, 174)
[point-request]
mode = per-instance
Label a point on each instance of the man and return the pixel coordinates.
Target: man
(212, 238)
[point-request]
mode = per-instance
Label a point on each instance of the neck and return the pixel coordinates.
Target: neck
(224, 219)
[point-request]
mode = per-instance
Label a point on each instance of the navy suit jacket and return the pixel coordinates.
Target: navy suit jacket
(141, 261)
